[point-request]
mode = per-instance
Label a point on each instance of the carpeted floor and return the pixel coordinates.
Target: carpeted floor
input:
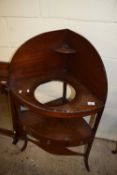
(35, 161)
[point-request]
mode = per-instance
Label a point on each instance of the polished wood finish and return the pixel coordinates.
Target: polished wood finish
(78, 107)
(71, 132)
(65, 56)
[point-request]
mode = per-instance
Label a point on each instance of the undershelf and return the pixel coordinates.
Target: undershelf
(67, 132)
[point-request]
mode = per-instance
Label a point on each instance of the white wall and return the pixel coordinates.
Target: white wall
(95, 19)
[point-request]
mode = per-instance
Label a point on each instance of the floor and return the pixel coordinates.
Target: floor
(35, 161)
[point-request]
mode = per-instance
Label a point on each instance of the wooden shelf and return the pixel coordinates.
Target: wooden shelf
(58, 150)
(79, 105)
(68, 132)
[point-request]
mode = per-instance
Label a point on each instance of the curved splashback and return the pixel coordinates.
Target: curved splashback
(60, 51)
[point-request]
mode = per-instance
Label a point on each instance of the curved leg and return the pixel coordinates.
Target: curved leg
(16, 139)
(25, 142)
(86, 163)
(115, 151)
(25, 145)
(89, 145)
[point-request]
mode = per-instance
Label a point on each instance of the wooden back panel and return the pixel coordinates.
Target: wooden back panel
(39, 57)
(87, 66)
(36, 57)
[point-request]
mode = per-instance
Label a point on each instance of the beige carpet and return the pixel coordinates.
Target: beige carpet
(35, 161)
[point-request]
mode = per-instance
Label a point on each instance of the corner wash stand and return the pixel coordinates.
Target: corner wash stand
(68, 58)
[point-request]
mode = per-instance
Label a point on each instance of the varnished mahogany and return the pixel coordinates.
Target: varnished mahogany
(65, 56)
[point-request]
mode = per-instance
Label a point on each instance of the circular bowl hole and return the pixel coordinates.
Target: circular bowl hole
(53, 90)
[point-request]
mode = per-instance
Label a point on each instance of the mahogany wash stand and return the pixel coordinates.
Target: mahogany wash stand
(58, 56)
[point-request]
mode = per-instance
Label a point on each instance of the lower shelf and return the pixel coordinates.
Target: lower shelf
(66, 132)
(57, 150)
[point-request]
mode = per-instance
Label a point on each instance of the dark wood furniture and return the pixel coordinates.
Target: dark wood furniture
(4, 68)
(57, 125)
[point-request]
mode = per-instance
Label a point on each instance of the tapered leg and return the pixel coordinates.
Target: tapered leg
(86, 163)
(25, 143)
(24, 137)
(14, 115)
(94, 127)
